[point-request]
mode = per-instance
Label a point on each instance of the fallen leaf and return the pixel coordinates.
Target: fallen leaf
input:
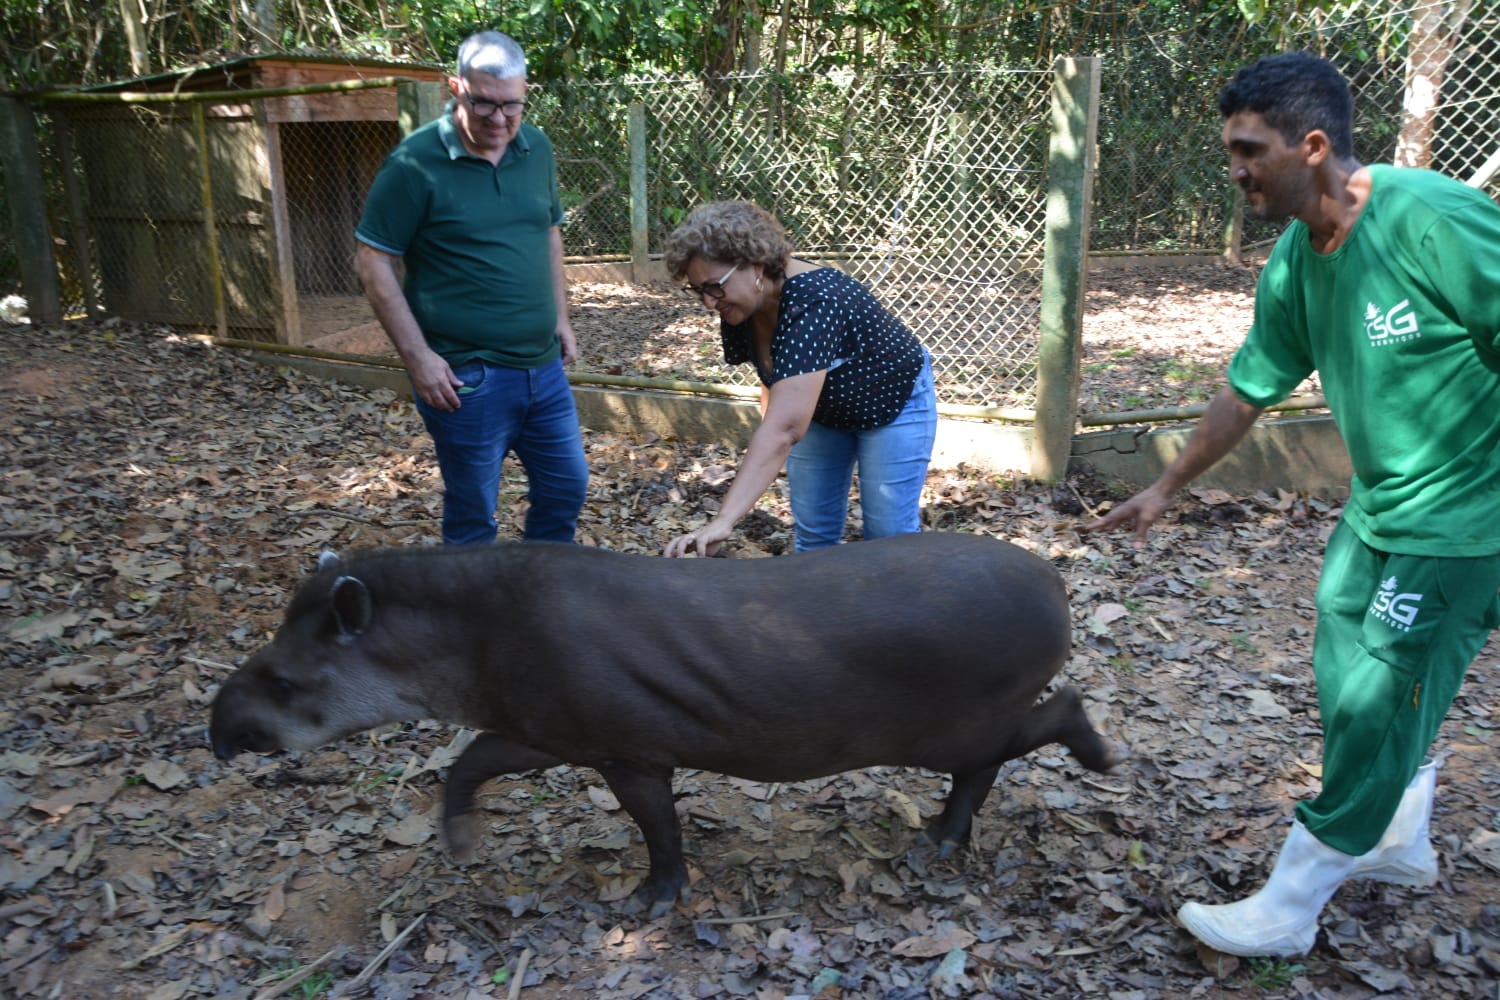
(163, 774)
(1484, 847)
(944, 941)
(274, 903)
(1263, 705)
(417, 828)
(50, 626)
(902, 804)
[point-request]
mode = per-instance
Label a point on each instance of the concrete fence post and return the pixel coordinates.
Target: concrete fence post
(640, 231)
(419, 102)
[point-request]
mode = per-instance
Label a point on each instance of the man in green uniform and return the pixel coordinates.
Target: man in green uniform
(1387, 282)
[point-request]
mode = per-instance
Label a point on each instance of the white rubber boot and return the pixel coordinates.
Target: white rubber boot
(1282, 918)
(1404, 855)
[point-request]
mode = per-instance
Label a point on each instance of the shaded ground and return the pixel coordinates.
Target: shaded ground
(1154, 336)
(160, 501)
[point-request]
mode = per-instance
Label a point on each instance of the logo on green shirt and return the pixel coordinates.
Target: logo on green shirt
(1393, 326)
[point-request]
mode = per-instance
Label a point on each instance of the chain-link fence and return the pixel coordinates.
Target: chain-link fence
(928, 185)
(1161, 182)
(328, 168)
(164, 248)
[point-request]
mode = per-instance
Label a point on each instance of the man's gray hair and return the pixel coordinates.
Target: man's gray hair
(492, 53)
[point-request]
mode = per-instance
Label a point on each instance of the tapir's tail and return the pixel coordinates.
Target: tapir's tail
(1061, 719)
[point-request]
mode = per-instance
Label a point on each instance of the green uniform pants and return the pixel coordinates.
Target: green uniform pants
(1395, 636)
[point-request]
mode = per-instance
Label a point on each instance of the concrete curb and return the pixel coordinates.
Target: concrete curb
(1300, 454)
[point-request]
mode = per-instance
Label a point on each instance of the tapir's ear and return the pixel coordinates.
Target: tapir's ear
(327, 558)
(352, 610)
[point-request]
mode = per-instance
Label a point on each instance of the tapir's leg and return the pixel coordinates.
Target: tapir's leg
(488, 756)
(646, 794)
(1059, 719)
(951, 830)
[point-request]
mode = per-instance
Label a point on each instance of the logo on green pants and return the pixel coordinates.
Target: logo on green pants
(1395, 609)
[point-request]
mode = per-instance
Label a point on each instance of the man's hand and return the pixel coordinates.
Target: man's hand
(569, 343)
(1227, 420)
(1141, 510)
(433, 380)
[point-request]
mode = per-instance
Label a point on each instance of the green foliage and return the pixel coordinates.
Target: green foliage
(310, 988)
(44, 44)
(1269, 974)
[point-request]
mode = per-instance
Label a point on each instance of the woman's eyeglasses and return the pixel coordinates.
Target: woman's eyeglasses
(711, 290)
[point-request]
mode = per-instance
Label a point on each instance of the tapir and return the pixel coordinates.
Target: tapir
(926, 650)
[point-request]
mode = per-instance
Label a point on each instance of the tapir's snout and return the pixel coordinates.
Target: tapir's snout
(233, 728)
(228, 740)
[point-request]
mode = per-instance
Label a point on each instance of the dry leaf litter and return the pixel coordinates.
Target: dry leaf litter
(161, 499)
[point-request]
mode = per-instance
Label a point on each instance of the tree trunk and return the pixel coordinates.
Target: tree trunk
(1434, 32)
(135, 36)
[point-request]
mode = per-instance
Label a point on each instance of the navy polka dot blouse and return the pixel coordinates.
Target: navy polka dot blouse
(830, 322)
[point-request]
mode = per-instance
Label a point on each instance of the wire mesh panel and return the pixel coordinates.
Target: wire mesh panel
(1466, 142)
(588, 126)
(927, 185)
(930, 187)
(176, 213)
(326, 171)
(1162, 182)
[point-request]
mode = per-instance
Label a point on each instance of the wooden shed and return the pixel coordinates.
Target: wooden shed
(226, 196)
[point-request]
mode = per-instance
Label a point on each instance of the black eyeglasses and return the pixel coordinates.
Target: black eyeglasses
(711, 290)
(487, 109)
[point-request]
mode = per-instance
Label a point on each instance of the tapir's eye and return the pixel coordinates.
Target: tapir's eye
(282, 689)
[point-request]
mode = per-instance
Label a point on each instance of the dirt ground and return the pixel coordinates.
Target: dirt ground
(161, 499)
(1155, 336)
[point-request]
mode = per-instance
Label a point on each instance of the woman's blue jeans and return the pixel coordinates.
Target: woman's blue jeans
(528, 411)
(892, 464)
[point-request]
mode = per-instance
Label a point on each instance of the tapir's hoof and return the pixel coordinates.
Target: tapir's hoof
(942, 844)
(947, 848)
(657, 898)
(462, 836)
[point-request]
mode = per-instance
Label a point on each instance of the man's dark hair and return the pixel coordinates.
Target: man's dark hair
(1295, 92)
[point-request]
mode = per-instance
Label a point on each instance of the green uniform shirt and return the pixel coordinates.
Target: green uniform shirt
(1402, 323)
(474, 239)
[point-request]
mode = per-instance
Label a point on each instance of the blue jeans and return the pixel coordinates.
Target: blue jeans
(526, 411)
(892, 471)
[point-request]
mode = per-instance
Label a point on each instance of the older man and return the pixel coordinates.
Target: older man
(469, 204)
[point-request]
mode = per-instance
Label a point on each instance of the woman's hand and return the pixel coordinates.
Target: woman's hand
(706, 541)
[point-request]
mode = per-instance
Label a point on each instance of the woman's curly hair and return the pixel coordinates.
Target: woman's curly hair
(730, 232)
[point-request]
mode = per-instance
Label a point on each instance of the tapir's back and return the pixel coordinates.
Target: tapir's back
(913, 649)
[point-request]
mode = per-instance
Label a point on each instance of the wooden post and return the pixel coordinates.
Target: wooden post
(1070, 186)
(1234, 227)
(419, 103)
(78, 224)
(640, 230)
(27, 196)
(283, 274)
(215, 263)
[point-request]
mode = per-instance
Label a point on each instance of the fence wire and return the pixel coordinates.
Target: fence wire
(928, 185)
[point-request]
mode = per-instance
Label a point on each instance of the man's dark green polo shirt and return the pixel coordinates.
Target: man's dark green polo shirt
(474, 240)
